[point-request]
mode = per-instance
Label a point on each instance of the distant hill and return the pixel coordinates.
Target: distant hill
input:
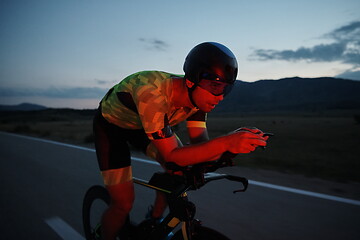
(304, 94)
(22, 107)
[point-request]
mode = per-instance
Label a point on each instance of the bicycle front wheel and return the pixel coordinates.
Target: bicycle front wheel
(96, 200)
(202, 233)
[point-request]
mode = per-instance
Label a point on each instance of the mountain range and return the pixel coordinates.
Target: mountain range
(292, 94)
(22, 107)
(287, 94)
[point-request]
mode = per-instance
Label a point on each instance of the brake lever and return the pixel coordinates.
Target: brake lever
(243, 180)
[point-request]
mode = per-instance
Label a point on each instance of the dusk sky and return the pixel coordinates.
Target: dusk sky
(68, 53)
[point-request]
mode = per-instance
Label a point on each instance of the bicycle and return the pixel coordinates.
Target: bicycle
(181, 210)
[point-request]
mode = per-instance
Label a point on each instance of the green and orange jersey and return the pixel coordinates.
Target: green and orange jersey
(144, 100)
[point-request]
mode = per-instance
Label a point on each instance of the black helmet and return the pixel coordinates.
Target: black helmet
(212, 61)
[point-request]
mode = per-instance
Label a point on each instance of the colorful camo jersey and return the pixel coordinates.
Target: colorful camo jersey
(143, 100)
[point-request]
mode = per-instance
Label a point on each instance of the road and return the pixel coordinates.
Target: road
(43, 183)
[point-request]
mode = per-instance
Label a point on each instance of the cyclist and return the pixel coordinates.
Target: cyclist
(141, 110)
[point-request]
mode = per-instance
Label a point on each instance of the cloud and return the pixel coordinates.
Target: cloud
(345, 47)
(350, 31)
(319, 53)
(75, 93)
(101, 82)
(154, 44)
(104, 82)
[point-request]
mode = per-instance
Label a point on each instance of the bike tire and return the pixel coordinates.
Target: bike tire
(202, 233)
(94, 193)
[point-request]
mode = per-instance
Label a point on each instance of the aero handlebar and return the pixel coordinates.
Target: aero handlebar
(198, 175)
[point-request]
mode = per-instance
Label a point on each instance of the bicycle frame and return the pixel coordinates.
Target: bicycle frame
(181, 210)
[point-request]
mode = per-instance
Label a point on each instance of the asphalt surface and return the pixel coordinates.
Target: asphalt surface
(43, 184)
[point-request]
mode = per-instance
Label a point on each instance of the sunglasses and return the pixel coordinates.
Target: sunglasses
(214, 87)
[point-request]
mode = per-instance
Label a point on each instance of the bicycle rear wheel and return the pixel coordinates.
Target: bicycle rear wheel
(202, 233)
(95, 202)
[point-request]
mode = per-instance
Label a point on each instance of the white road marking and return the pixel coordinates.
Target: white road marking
(261, 184)
(307, 193)
(64, 230)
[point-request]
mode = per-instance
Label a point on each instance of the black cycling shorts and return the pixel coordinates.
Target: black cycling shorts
(111, 143)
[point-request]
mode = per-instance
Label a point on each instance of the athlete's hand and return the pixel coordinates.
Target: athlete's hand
(255, 130)
(245, 140)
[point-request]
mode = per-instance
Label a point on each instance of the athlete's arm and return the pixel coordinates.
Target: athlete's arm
(237, 142)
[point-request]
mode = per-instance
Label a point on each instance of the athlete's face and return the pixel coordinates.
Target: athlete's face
(204, 100)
